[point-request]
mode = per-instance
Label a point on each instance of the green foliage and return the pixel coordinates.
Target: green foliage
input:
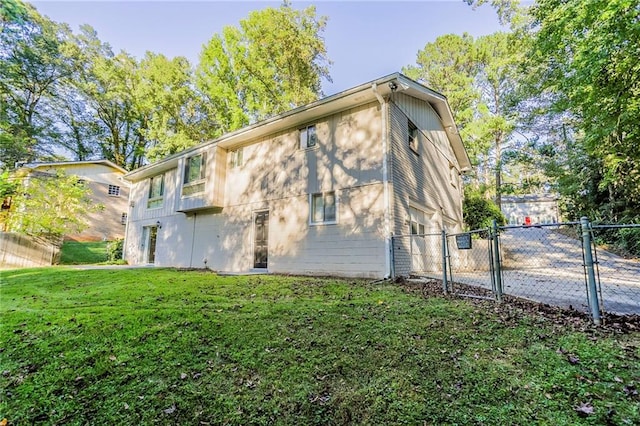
(51, 205)
(178, 347)
(479, 212)
(584, 59)
(114, 250)
(480, 79)
(272, 62)
(82, 253)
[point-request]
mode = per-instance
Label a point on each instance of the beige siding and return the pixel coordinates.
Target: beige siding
(427, 179)
(104, 224)
(278, 176)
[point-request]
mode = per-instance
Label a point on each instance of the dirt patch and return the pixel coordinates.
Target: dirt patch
(513, 309)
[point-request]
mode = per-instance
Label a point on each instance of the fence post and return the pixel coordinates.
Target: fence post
(445, 285)
(496, 260)
(591, 276)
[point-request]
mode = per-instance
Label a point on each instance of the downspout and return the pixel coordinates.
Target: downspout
(385, 182)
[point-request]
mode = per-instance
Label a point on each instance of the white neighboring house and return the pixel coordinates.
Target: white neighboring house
(104, 178)
(531, 209)
(319, 189)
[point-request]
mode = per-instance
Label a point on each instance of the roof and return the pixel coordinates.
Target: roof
(107, 163)
(347, 99)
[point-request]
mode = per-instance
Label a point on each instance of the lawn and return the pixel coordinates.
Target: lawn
(146, 346)
(78, 253)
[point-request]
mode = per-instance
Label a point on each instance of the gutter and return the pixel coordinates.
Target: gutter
(385, 181)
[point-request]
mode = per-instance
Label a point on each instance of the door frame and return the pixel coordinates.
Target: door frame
(254, 214)
(146, 243)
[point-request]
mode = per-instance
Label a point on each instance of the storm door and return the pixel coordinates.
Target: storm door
(149, 236)
(260, 247)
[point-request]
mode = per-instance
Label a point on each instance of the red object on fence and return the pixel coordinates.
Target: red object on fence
(527, 221)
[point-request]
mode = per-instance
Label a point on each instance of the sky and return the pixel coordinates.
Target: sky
(364, 39)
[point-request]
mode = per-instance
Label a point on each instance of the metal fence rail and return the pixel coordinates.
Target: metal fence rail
(570, 264)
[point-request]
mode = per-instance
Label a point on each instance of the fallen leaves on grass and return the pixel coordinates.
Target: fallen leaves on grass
(584, 409)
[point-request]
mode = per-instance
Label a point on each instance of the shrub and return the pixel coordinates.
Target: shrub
(114, 250)
(478, 212)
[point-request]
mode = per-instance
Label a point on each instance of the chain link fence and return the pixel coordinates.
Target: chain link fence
(594, 268)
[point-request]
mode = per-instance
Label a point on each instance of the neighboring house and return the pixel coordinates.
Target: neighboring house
(320, 189)
(530, 209)
(104, 178)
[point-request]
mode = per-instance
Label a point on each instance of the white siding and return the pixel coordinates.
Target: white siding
(279, 177)
(421, 179)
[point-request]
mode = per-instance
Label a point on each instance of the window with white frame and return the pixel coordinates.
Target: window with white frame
(114, 191)
(123, 219)
(412, 136)
(323, 207)
(194, 174)
(156, 191)
(418, 218)
(237, 158)
(308, 137)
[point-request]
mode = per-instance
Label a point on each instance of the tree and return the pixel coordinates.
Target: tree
(479, 78)
(585, 59)
(273, 62)
(50, 205)
(35, 56)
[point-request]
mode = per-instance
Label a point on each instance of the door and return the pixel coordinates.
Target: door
(149, 236)
(260, 247)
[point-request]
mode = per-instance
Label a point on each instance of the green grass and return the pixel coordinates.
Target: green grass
(79, 253)
(147, 346)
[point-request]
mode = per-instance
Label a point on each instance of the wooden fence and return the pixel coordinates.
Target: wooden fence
(23, 251)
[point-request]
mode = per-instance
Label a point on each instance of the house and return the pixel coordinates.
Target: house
(319, 189)
(104, 179)
(531, 209)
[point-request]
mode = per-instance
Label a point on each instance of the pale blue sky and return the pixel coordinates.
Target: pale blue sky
(365, 39)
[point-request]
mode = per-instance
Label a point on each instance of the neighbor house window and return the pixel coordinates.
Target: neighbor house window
(308, 137)
(237, 157)
(123, 219)
(323, 207)
(156, 191)
(194, 173)
(412, 136)
(114, 190)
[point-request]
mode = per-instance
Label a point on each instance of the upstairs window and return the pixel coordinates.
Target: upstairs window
(237, 158)
(114, 190)
(156, 191)
(323, 208)
(412, 132)
(194, 174)
(308, 137)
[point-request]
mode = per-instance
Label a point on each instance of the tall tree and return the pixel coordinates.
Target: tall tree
(274, 61)
(585, 58)
(36, 54)
(479, 78)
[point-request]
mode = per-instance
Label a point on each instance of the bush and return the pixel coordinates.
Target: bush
(114, 250)
(478, 212)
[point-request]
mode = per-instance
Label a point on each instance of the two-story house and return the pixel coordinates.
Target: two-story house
(319, 189)
(104, 179)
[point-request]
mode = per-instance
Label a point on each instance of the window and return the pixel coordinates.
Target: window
(412, 136)
(156, 191)
(194, 173)
(417, 222)
(114, 190)
(123, 219)
(308, 137)
(237, 158)
(323, 208)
